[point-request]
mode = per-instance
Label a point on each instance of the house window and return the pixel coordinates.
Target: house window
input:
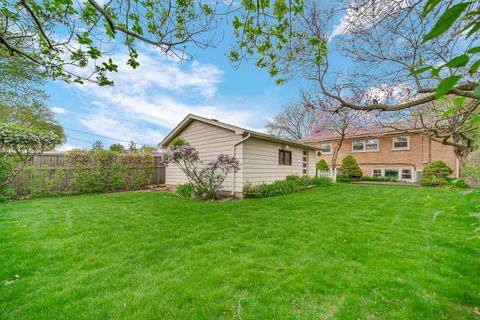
(305, 161)
(391, 173)
(377, 172)
(365, 145)
(284, 157)
(358, 145)
(401, 142)
(407, 174)
(371, 144)
(326, 148)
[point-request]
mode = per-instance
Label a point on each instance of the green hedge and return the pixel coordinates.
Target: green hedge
(291, 184)
(102, 171)
(380, 179)
(92, 172)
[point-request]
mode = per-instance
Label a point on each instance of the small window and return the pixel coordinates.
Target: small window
(326, 148)
(304, 152)
(284, 158)
(357, 145)
(391, 173)
(377, 172)
(401, 142)
(372, 144)
(304, 171)
(407, 174)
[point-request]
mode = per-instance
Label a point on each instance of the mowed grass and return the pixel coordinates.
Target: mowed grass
(342, 252)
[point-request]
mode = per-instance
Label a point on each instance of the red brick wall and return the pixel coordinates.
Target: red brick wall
(422, 150)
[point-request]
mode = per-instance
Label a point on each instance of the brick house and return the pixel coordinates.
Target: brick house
(384, 151)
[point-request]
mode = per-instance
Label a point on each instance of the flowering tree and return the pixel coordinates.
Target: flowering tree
(206, 180)
(17, 146)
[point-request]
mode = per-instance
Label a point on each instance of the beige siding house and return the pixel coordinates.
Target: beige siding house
(263, 158)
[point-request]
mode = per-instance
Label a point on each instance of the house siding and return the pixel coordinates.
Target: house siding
(260, 162)
(209, 141)
(422, 150)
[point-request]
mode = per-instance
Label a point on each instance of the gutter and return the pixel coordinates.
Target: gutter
(235, 155)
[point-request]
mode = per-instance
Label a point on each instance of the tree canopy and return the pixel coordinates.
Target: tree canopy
(74, 41)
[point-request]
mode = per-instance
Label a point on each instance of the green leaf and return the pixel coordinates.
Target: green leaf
(431, 4)
(446, 20)
(474, 50)
(474, 67)
(445, 85)
(421, 70)
(435, 72)
(474, 30)
(476, 92)
(449, 112)
(459, 61)
(459, 101)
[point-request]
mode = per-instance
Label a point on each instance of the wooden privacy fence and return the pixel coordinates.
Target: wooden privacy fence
(56, 161)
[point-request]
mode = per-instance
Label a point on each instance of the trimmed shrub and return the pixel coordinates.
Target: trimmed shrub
(350, 167)
(438, 169)
(322, 165)
(435, 174)
(185, 190)
(321, 181)
(264, 190)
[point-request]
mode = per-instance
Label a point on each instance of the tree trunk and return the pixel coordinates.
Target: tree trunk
(461, 154)
(335, 153)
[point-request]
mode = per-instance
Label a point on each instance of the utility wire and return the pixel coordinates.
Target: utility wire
(100, 136)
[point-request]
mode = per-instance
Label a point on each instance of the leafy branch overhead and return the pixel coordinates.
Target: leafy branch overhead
(465, 17)
(75, 40)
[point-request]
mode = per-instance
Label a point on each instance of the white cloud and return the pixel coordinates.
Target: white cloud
(66, 147)
(365, 13)
(59, 110)
(158, 94)
(386, 92)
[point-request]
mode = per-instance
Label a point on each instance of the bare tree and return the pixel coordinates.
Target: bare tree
(384, 40)
(295, 122)
(340, 121)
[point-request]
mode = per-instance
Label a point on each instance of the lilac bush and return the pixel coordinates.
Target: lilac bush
(17, 146)
(206, 180)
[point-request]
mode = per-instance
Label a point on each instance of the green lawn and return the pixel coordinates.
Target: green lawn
(342, 252)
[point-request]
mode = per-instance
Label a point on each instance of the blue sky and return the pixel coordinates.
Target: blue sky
(146, 103)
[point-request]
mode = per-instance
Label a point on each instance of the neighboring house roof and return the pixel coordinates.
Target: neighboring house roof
(363, 132)
(238, 130)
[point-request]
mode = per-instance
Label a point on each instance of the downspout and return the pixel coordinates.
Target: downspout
(235, 155)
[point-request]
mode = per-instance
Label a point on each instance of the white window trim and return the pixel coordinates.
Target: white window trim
(365, 146)
(324, 144)
(403, 148)
(399, 173)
